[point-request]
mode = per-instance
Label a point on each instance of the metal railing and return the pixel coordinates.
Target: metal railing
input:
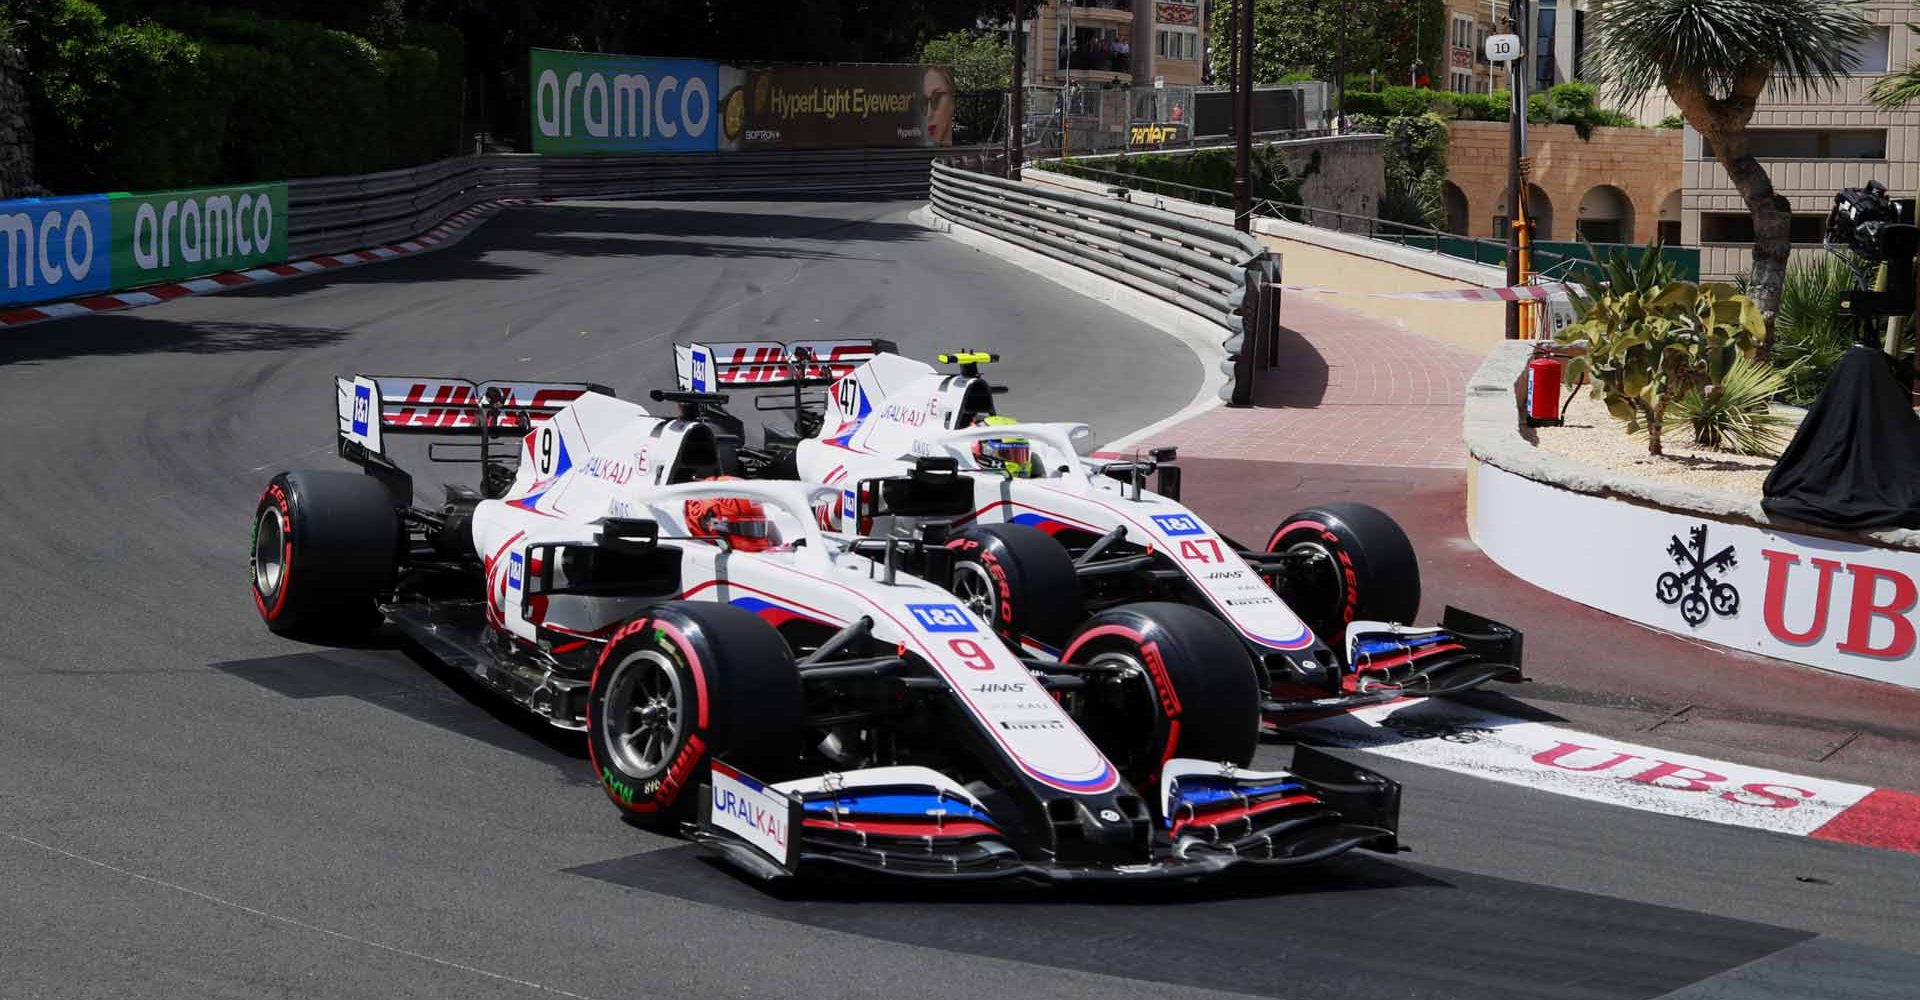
(333, 214)
(1226, 277)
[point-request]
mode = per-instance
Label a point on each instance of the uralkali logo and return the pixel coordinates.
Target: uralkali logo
(590, 103)
(170, 235)
(53, 247)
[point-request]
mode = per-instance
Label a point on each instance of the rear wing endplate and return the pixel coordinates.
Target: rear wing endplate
(371, 406)
(767, 364)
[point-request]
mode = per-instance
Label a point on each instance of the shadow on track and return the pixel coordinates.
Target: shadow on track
(1357, 926)
(400, 678)
(132, 333)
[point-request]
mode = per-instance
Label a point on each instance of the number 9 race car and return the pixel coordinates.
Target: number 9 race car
(787, 692)
(1323, 613)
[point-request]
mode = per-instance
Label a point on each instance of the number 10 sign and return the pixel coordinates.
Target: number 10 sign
(1503, 48)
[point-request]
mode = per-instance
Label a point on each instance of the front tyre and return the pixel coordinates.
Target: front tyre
(1019, 579)
(326, 546)
(1163, 681)
(1354, 564)
(677, 687)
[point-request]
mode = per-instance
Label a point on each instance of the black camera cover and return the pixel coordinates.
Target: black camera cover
(1855, 463)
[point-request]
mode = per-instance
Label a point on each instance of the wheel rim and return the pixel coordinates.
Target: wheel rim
(645, 712)
(269, 553)
(1120, 735)
(1325, 576)
(975, 590)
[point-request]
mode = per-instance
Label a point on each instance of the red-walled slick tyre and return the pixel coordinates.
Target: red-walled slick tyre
(326, 545)
(1019, 579)
(1164, 681)
(1358, 565)
(677, 687)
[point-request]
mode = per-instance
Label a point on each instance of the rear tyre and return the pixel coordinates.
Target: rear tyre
(1360, 566)
(326, 545)
(679, 686)
(1019, 579)
(1176, 682)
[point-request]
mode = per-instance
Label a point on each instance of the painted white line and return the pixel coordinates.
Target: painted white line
(307, 266)
(257, 274)
(138, 298)
(201, 285)
(1458, 737)
(383, 253)
(59, 309)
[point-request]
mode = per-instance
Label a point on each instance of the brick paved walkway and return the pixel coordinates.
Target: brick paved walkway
(1352, 390)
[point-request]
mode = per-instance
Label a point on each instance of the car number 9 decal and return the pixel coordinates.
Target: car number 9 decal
(544, 452)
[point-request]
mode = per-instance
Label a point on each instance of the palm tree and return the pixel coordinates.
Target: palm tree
(1897, 90)
(1715, 58)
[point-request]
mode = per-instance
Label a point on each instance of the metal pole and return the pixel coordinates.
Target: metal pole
(1340, 72)
(1516, 148)
(1243, 144)
(1066, 89)
(1017, 94)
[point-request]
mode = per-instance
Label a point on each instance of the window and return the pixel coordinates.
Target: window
(1737, 227)
(1813, 144)
(1670, 232)
(1462, 32)
(1870, 52)
(1543, 49)
(1462, 81)
(1176, 44)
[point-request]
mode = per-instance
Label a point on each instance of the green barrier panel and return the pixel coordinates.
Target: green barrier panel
(170, 235)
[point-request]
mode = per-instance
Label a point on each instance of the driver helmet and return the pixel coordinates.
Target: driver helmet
(1013, 455)
(742, 521)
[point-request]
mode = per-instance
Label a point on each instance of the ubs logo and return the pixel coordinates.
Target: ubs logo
(1693, 588)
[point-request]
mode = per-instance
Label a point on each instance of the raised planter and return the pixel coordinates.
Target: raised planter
(1705, 565)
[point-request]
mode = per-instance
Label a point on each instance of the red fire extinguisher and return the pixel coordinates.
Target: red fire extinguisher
(1543, 390)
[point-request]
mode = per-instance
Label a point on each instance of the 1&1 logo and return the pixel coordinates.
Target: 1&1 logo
(942, 617)
(362, 408)
(1698, 595)
(1176, 525)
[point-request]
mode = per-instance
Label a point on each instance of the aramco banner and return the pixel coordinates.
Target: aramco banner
(54, 248)
(170, 235)
(587, 103)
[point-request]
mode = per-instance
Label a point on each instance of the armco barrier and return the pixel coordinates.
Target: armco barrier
(67, 247)
(341, 213)
(1220, 274)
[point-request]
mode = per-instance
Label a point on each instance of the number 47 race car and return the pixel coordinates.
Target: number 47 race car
(786, 691)
(1322, 615)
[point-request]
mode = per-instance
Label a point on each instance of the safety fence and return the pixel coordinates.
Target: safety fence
(64, 248)
(1224, 276)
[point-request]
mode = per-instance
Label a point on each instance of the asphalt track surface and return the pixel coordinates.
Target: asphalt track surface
(190, 807)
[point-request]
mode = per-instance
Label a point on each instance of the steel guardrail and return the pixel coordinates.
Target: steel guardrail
(335, 214)
(1224, 276)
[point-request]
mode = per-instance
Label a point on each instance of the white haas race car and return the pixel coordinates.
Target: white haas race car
(1055, 547)
(788, 694)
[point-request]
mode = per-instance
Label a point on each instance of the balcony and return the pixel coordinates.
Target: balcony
(1110, 11)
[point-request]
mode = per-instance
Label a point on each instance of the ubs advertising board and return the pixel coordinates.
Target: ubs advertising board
(587, 103)
(1849, 608)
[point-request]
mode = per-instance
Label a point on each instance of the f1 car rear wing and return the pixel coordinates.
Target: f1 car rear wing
(766, 364)
(371, 406)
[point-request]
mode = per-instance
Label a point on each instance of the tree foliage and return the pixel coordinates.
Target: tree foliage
(1401, 39)
(1715, 58)
(981, 60)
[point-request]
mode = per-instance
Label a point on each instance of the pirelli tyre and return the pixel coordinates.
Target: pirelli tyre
(1019, 579)
(679, 686)
(1357, 565)
(326, 546)
(1162, 681)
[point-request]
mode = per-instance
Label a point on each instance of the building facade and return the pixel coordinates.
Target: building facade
(1556, 50)
(1812, 145)
(1117, 42)
(1622, 185)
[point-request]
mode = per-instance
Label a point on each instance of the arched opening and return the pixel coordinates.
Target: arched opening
(1457, 218)
(1606, 215)
(1669, 222)
(1539, 209)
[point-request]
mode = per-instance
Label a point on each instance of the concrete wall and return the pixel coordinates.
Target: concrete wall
(16, 128)
(1350, 178)
(1643, 163)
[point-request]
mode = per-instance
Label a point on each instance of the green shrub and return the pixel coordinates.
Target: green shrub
(1672, 121)
(1646, 350)
(1416, 171)
(1809, 334)
(1736, 414)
